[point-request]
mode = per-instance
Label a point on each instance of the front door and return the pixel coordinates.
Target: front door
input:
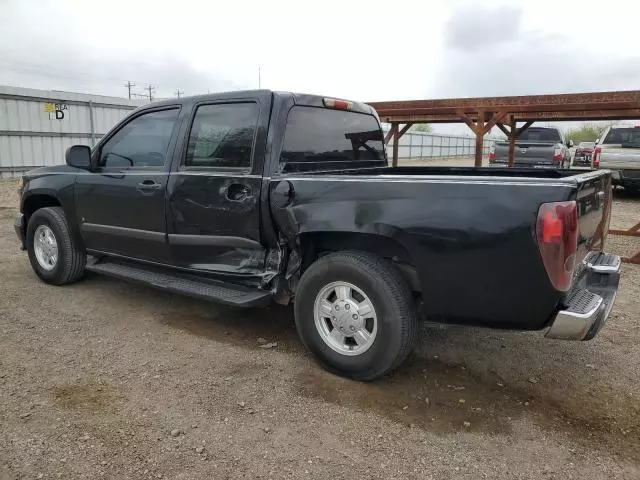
(214, 192)
(121, 204)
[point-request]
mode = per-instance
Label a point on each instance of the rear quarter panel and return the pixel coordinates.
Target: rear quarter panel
(472, 242)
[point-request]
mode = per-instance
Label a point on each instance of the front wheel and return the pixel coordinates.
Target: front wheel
(355, 313)
(54, 255)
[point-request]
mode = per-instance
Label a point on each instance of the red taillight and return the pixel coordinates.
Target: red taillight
(557, 155)
(596, 157)
(557, 236)
(337, 104)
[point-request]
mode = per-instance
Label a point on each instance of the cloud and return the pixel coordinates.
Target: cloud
(473, 27)
(524, 61)
(38, 52)
(106, 77)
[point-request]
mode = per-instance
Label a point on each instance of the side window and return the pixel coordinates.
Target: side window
(222, 136)
(142, 142)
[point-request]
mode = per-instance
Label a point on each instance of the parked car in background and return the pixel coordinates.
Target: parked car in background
(583, 154)
(618, 149)
(538, 147)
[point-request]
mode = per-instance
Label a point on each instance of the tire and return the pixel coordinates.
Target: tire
(70, 258)
(394, 314)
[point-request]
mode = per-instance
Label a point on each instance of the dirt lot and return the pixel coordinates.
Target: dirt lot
(103, 379)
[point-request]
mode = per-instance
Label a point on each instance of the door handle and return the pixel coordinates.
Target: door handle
(149, 186)
(238, 192)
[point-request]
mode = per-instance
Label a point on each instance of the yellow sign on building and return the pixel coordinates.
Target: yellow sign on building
(49, 107)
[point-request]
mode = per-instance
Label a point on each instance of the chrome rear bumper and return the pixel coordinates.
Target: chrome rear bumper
(590, 300)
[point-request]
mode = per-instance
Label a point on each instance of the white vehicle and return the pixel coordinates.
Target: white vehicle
(618, 150)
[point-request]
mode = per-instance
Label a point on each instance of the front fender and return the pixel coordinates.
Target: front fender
(47, 190)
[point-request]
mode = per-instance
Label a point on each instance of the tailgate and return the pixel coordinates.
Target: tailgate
(593, 200)
(526, 153)
(619, 157)
(534, 153)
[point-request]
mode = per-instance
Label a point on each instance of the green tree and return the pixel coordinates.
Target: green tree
(587, 132)
(422, 127)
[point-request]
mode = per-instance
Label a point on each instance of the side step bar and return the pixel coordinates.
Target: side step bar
(226, 293)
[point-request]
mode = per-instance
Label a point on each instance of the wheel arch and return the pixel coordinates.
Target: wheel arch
(37, 199)
(316, 244)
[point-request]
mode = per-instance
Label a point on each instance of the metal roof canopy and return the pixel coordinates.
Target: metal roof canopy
(483, 113)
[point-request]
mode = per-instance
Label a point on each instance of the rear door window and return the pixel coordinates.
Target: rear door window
(222, 136)
(326, 139)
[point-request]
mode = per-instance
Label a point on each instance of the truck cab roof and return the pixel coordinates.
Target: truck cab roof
(305, 99)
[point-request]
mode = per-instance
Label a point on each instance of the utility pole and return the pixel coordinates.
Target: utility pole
(259, 79)
(128, 86)
(178, 93)
(151, 89)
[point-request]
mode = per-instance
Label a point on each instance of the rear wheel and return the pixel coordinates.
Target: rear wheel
(356, 315)
(54, 255)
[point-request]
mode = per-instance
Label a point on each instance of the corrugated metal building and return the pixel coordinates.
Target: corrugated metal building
(37, 126)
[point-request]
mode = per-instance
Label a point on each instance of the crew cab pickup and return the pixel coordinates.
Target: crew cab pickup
(618, 149)
(249, 197)
(538, 147)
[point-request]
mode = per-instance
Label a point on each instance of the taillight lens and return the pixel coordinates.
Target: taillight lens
(557, 154)
(557, 236)
(492, 153)
(596, 157)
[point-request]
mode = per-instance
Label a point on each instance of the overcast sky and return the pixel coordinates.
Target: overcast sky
(362, 50)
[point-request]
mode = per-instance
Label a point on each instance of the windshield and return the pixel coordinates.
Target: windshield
(623, 136)
(586, 145)
(539, 134)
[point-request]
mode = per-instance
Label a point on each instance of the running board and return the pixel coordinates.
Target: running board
(226, 293)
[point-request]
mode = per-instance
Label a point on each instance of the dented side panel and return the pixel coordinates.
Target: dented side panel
(472, 243)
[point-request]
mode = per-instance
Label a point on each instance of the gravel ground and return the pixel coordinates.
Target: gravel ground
(104, 379)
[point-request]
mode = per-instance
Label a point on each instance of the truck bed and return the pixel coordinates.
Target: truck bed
(468, 232)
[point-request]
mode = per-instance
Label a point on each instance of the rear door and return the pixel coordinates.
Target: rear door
(214, 191)
(121, 205)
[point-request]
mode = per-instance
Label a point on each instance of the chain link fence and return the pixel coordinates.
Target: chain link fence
(436, 145)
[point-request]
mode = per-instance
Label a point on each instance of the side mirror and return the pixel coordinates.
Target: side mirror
(78, 156)
(570, 143)
(597, 141)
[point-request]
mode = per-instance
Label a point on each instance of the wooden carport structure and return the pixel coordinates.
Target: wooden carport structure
(482, 114)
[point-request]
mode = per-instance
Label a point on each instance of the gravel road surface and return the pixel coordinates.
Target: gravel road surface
(103, 379)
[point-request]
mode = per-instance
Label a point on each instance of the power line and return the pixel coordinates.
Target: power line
(128, 86)
(151, 89)
(179, 93)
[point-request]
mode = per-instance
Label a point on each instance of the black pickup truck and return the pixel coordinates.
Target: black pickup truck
(249, 197)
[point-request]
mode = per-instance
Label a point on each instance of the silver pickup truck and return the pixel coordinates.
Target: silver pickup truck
(618, 150)
(538, 147)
